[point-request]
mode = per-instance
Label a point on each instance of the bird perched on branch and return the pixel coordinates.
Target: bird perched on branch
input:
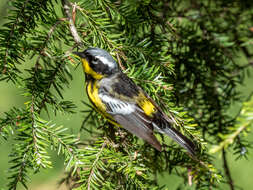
(123, 103)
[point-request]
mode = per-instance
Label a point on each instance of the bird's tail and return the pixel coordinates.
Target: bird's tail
(180, 139)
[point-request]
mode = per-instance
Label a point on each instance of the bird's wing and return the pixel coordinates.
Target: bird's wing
(163, 124)
(130, 117)
(132, 108)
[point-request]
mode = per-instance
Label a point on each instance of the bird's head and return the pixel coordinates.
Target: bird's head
(97, 62)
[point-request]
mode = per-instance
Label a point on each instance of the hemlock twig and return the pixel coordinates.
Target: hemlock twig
(72, 28)
(227, 170)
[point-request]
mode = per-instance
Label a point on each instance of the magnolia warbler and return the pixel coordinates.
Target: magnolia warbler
(123, 103)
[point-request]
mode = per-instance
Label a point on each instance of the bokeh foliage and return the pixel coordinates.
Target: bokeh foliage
(183, 54)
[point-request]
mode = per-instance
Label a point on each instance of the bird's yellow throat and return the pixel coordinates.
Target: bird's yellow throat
(88, 70)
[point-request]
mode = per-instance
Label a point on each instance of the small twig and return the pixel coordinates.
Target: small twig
(53, 76)
(34, 135)
(46, 93)
(155, 83)
(72, 28)
(62, 143)
(227, 170)
(20, 177)
(11, 34)
(74, 12)
(94, 163)
(94, 25)
(119, 61)
(171, 26)
(49, 35)
(230, 138)
(189, 176)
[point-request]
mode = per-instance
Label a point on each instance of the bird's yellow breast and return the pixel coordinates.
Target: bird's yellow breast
(92, 90)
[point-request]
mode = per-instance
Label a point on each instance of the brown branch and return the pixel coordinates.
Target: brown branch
(227, 170)
(190, 176)
(95, 26)
(119, 61)
(72, 28)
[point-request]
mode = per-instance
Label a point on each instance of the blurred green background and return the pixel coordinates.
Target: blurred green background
(10, 95)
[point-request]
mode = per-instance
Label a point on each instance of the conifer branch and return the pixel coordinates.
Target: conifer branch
(159, 45)
(156, 83)
(34, 135)
(230, 139)
(12, 32)
(227, 170)
(70, 148)
(20, 176)
(49, 35)
(91, 175)
(97, 30)
(47, 90)
(72, 28)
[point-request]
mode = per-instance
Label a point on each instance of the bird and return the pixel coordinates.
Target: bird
(125, 104)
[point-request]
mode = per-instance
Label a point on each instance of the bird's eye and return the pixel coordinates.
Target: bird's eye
(95, 59)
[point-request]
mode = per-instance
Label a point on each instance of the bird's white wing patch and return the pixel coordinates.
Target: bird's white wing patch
(116, 106)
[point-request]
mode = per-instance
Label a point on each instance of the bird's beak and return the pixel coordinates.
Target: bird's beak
(79, 54)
